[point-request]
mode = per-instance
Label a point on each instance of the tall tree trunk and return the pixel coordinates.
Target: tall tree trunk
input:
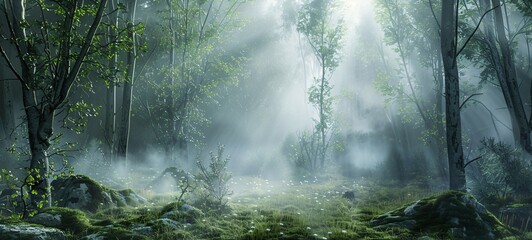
(171, 99)
(123, 134)
(323, 124)
(440, 113)
(510, 77)
(182, 141)
(110, 96)
(7, 114)
(455, 151)
(40, 129)
(39, 120)
(7, 87)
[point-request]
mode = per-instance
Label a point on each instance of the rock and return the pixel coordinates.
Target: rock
(82, 192)
(143, 230)
(409, 224)
(95, 236)
(68, 220)
(455, 214)
(46, 219)
(349, 195)
(164, 224)
(425, 238)
(181, 212)
(131, 198)
(114, 233)
(29, 232)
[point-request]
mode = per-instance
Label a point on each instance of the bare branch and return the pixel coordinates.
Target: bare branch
(468, 98)
(12, 68)
(476, 29)
(434, 14)
(475, 159)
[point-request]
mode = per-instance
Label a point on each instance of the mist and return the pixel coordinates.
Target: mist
(267, 119)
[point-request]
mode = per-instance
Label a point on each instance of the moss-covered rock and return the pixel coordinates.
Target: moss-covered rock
(450, 215)
(29, 232)
(84, 193)
(115, 234)
(181, 212)
(131, 198)
(69, 220)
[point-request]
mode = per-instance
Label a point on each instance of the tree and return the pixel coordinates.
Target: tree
(49, 61)
(492, 51)
(407, 29)
(7, 113)
(7, 88)
(191, 42)
(127, 97)
(324, 36)
(111, 84)
(450, 52)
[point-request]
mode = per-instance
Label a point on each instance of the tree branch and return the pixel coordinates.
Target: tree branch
(65, 88)
(12, 68)
(468, 98)
(476, 29)
(475, 159)
(434, 14)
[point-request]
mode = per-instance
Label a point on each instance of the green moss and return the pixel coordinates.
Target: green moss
(171, 235)
(72, 220)
(117, 233)
(171, 206)
(103, 223)
(126, 194)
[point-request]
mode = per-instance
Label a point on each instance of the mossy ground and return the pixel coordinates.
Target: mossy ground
(262, 209)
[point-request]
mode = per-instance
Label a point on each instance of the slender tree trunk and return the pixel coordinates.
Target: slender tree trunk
(40, 129)
(182, 142)
(440, 113)
(510, 76)
(323, 122)
(7, 113)
(171, 101)
(7, 87)
(110, 96)
(455, 153)
(123, 134)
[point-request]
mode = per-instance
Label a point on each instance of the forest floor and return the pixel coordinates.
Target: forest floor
(264, 209)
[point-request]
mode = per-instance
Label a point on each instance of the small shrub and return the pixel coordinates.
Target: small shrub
(503, 173)
(306, 154)
(214, 177)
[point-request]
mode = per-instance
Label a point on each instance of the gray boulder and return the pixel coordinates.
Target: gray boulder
(164, 225)
(46, 219)
(29, 232)
(455, 214)
(181, 212)
(84, 193)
